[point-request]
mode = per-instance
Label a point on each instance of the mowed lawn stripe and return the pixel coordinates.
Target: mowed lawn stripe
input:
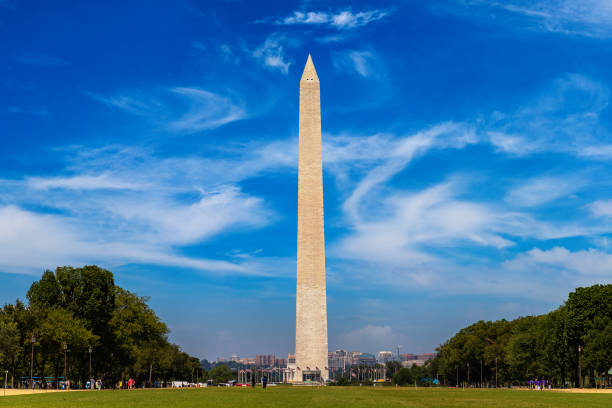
(306, 397)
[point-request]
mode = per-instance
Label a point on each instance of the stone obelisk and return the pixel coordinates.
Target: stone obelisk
(311, 302)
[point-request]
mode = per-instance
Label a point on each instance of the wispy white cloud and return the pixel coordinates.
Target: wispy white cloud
(513, 144)
(542, 190)
(41, 60)
(592, 18)
(429, 236)
(311, 17)
(365, 63)
(601, 208)
(406, 223)
(226, 52)
(123, 205)
(103, 181)
(348, 19)
(584, 262)
(596, 152)
(341, 20)
(139, 168)
(272, 54)
(563, 118)
(128, 103)
(334, 38)
(424, 237)
(421, 237)
(33, 241)
(184, 109)
(402, 152)
(207, 110)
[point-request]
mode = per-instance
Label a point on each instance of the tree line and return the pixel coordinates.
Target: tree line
(570, 346)
(77, 322)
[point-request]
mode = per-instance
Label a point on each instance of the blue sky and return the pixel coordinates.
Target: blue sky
(467, 149)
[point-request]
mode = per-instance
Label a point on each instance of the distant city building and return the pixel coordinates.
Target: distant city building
(384, 356)
(247, 361)
(265, 360)
(338, 361)
(426, 356)
(418, 360)
(353, 356)
(290, 370)
(365, 359)
(410, 363)
(407, 357)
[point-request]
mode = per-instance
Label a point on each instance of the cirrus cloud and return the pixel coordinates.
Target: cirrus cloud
(341, 20)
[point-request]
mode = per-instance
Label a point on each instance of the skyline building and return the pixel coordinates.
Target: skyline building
(265, 360)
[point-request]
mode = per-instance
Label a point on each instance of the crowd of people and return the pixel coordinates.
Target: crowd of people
(539, 385)
(94, 384)
(91, 384)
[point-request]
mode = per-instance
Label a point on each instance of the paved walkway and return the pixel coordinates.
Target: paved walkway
(22, 391)
(585, 390)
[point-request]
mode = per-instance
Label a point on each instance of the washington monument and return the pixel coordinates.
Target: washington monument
(311, 302)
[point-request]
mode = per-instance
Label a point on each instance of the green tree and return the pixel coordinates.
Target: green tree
(88, 293)
(22, 316)
(56, 327)
(391, 368)
(554, 342)
(403, 376)
(583, 306)
(598, 346)
(46, 292)
(9, 337)
(84, 308)
(523, 351)
(9, 340)
(139, 333)
(481, 343)
(222, 374)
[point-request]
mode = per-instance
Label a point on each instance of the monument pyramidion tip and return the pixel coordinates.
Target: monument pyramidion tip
(310, 73)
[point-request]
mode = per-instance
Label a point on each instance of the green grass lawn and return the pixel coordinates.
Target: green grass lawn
(304, 397)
